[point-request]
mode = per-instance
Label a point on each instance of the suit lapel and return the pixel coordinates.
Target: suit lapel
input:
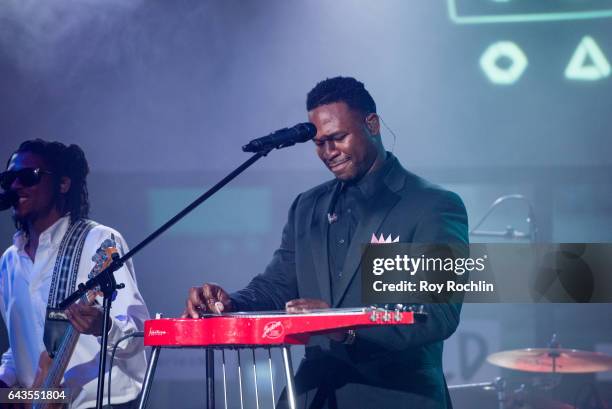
(374, 215)
(318, 240)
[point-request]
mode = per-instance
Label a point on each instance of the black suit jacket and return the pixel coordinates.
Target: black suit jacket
(385, 366)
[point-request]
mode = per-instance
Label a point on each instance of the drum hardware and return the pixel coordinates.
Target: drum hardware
(551, 362)
(498, 385)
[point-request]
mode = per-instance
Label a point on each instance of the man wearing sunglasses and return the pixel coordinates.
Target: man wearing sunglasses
(56, 247)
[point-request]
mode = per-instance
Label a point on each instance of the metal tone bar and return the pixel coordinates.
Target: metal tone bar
(472, 385)
(289, 376)
(255, 377)
(271, 376)
(210, 378)
(148, 380)
(240, 380)
(224, 378)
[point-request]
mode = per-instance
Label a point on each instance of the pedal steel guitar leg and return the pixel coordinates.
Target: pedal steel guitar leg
(148, 380)
(210, 378)
(240, 380)
(271, 376)
(289, 376)
(224, 378)
(255, 378)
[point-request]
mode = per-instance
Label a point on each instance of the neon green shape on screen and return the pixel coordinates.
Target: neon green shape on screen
(503, 75)
(578, 69)
(524, 17)
(231, 212)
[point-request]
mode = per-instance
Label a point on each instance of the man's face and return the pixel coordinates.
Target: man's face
(344, 143)
(37, 200)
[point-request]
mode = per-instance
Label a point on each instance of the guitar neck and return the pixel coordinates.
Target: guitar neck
(54, 376)
(61, 359)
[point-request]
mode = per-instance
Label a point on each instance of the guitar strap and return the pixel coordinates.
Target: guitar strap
(63, 281)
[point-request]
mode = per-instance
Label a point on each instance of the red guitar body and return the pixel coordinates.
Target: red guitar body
(264, 328)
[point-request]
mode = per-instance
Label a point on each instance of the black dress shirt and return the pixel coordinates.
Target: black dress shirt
(348, 211)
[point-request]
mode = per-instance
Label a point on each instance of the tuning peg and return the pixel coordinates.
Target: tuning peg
(420, 315)
(373, 315)
(398, 312)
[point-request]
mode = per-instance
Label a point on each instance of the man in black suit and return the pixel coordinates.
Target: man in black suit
(317, 263)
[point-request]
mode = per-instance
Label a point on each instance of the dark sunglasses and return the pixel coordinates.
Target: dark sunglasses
(27, 177)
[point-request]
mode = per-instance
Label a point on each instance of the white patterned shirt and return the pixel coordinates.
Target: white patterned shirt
(24, 292)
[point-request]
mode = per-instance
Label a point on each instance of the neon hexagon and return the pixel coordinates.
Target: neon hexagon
(503, 75)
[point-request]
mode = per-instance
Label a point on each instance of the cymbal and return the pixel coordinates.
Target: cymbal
(552, 360)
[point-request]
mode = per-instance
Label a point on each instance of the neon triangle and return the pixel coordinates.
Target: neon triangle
(588, 62)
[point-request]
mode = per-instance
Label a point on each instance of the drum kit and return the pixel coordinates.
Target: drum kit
(550, 364)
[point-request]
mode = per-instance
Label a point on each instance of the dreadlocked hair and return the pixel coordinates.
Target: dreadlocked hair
(63, 161)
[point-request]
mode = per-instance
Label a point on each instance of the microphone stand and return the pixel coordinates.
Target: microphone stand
(510, 232)
(106, 278)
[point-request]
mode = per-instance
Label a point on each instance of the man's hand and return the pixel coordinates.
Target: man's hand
(210, 298)
(305, 305)
(302, 305)
(86, 318)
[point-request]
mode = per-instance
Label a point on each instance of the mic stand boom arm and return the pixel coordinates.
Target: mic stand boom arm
(106, 279)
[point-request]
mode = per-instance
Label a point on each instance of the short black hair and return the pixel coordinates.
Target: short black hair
(341, 89)
(63, 161)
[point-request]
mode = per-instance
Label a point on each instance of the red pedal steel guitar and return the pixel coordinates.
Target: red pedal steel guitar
(265, 328)
(51, 370)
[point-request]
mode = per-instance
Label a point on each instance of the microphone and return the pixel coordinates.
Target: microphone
(282, 138)
(8, 199)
